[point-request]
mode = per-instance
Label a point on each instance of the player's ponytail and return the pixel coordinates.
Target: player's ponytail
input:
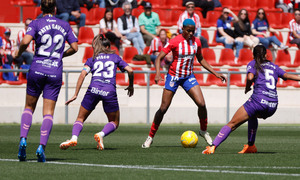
(259, 54)
(48, 6)
(100, 44)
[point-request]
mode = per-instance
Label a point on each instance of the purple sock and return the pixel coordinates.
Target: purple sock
(46, 129)
(26, 121)
(223, 134)
(77, 127)
(109, 128)
(252, 127)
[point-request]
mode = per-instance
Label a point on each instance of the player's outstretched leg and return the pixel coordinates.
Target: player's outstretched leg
(252, 128)
(26, 121)
(107, 129)
(22, 149)
(77, 128)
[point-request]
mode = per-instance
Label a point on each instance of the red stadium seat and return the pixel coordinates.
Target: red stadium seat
(268, 5)
(115, 49)
(242, 4)
(2, 30)
(229, 3)
(285, 19)
(290, 82)
(236, 79)
(137, 12)
(251, 15)
(146, 49)
(227, 57)
(85, 35)
(171, 4)
(120, 79)
(9, 13)
(245, 56)
(211, 18)
(213, 80)
(98, 14)
(88, 52)
(283, 58)
(117, 12)
(158, 4)
(199, 77)
(274, 19)
(37, 12)
(204, 33)
(269, 55)
(152, 78)
(165, 16)
(210, 56)
(29, 12)
(175, 16)
(22, 77)
(22, 2)
(129, 53)
(139, 78)
(9, 82)
(297, 59)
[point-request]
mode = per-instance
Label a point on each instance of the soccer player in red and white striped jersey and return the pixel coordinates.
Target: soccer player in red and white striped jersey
(184, 48)
(295, 29)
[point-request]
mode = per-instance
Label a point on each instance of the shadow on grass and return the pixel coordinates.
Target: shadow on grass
(52, 159)
(84, 149)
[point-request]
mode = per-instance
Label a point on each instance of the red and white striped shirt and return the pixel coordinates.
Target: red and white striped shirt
(184, 16)
(156, 45)
(184, 52)
(7, 46)
(21, 35)
(294, 26)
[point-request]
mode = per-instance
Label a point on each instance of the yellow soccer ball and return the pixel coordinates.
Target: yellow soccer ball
(189, 139)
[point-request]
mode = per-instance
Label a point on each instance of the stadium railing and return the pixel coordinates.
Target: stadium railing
(67, 72)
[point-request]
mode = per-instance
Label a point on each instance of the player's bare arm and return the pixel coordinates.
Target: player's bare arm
(205, 64)
(130, 88)
(72, 50)
(288, 76)
(24, 44)
(78, 85)
(157, 66)
(250, 78)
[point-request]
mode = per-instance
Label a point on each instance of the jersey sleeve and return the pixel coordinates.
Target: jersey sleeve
(121, 64)
(168, 47)
(280, 72)
(71, 37)
(251, 67)
(89, 63)
(32, 30)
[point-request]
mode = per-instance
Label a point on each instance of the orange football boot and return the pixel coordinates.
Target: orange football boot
(248, 149)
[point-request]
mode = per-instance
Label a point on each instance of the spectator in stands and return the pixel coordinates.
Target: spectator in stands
(27, 55)
(7, 50)
(128, 25)
(205, 5)
(149, 22)
(156, 46)
(242, 29)
(260, 28)
(225, 34)
(295, 29)
(109, 28)
(113, 3)
(189, 13)
(134, 3)
(285, 5)
(69, 10)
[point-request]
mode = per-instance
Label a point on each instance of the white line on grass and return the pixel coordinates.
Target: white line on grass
(238, 167)
(163, 168)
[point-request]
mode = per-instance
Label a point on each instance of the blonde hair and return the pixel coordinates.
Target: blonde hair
(100, 44)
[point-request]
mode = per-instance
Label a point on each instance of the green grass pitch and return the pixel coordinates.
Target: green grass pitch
(278, 154)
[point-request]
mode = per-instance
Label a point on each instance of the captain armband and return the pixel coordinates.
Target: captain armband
(87, 69)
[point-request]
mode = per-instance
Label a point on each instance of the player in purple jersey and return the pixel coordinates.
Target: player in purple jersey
(45, 73)
(103, 66)
(262, 104)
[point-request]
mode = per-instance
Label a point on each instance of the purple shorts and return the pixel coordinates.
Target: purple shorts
(48, 84)
(94, 95)
(260, 109)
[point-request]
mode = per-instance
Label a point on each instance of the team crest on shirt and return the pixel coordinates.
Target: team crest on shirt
(172, 84)
(29, 29)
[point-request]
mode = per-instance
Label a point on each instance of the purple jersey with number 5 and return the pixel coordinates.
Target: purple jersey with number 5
(50, 35)
(103, 69)
(265, 82)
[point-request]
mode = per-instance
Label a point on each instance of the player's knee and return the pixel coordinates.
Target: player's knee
(201, 105)
(162, 110)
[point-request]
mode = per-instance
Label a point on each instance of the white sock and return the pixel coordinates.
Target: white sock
(102, 134)
(74, 138)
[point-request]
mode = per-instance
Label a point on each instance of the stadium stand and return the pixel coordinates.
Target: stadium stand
(129, 53)
(245, 57)
(199, 77)
(210, 56)
(88, 52)
(152, 77)
(117, 12)
(139, 78)
(213, 80)
(283, 58)
(120, 79)
(85, 35)
(236, 79)
(227, 57)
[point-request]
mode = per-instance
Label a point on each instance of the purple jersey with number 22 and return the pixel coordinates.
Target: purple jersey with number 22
(50, 35)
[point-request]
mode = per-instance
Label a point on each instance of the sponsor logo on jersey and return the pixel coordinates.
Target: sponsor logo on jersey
(29, 29)
(270, 104)
(99, 92)
(50, 20)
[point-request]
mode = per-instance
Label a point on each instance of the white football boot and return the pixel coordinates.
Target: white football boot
(99, 139)
(206, 136)
(148, 142)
